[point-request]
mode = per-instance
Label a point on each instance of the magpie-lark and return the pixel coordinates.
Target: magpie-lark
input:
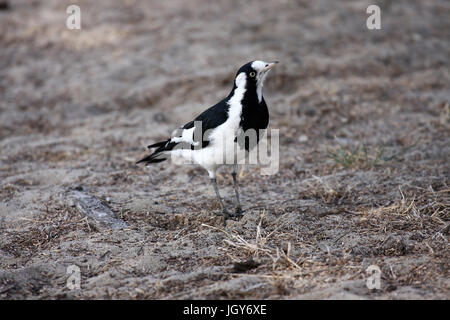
(212, 139)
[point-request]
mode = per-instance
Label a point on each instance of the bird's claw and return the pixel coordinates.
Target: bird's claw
(238, 212)
(236, 216)
(230, 216)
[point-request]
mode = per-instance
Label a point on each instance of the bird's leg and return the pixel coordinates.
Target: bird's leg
(238, 211)
(225, 212)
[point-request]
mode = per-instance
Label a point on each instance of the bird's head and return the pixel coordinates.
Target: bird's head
(253, 75)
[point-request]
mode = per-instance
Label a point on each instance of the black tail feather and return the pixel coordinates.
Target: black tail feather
(156, 156)
(151, 159)
(158, 144)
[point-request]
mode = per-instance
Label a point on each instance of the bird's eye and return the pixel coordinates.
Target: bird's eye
(252, 74)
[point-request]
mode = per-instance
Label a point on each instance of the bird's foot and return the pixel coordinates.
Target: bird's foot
(230, 216)
(238, 212)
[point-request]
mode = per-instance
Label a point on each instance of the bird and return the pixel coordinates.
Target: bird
(219, 136)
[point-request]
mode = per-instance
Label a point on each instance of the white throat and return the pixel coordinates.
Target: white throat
(260, 84)
(259, 67)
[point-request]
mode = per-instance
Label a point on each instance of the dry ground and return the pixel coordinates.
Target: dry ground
(364, 150)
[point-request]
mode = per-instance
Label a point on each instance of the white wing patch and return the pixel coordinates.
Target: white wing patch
(187, 135)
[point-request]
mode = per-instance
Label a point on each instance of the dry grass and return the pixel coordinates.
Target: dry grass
(424, 213)
(44, 230)
(363, 156)
(258, 249)
(269, 256)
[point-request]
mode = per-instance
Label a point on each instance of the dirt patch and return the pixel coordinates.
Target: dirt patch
(364, 147)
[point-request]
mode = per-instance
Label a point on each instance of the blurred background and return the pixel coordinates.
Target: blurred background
(136, 58)
(365, 111)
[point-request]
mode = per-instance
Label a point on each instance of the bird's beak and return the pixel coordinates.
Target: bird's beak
(270, 66)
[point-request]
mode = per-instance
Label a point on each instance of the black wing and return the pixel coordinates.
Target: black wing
(210, 119)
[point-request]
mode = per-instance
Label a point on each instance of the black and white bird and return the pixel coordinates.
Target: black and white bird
(211, 140)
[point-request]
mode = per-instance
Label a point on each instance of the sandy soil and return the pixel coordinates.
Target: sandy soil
(364, 150)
